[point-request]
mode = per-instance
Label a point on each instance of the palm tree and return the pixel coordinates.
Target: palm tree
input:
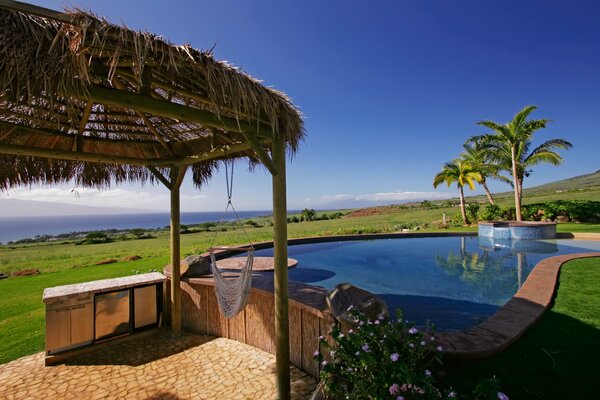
(477, 154)
(509, 146)
(462, 173)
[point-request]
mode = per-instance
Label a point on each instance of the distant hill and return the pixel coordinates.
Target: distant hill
(581, 182)
(582, 187)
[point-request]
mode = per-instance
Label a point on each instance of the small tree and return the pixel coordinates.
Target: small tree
(460, 172)
(308, 214)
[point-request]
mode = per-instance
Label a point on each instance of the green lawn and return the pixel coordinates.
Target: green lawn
(559, 357)
(22, 311)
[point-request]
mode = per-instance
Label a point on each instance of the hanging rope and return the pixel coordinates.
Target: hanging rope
(232, 293)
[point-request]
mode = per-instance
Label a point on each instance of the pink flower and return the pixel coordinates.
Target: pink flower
(411, 345)
(439, 348)
(400, 398)
(394, 389)
(394, 357)
(365, 348)
(413, 331)
(316, 353)
(427, 373)
(502, 396)
(452, 395)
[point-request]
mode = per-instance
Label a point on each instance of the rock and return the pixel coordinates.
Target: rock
(26, 272)
(345, 295)
(106, 261)
(131, 258)
(563, 218)
(3, 276)
(195, 265)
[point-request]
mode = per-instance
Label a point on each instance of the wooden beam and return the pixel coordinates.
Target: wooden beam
(160, 177)
(176, 177)
(178, 147)
(220, 152)
(282, 338)
(262, 154)
(141, 103)
(19, 150)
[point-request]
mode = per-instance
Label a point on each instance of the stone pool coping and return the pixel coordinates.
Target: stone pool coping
(499, 331)
(513, 319)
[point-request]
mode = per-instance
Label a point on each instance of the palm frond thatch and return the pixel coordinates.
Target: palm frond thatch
(74, 86)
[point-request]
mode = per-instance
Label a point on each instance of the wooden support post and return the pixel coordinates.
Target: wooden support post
(176, 175)
(282, 345)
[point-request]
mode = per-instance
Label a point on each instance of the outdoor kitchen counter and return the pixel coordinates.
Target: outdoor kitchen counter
(86, 289)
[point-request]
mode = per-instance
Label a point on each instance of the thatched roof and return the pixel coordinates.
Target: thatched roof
(111, 101)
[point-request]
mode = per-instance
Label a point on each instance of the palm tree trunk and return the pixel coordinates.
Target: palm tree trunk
(516, 186)
(487, 192)
(462, 205)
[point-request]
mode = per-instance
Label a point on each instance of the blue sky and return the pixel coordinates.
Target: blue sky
(389, 89)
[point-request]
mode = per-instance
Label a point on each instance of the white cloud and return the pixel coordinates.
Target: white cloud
(370, 199)
(117, 198)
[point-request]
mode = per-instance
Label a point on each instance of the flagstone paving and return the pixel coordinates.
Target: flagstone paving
(153, 367)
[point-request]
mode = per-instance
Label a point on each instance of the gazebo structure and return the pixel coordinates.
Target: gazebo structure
(87, 101)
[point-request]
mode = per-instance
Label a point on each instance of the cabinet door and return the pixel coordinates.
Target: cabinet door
(144, 300)
(58, 329)
(82, 323)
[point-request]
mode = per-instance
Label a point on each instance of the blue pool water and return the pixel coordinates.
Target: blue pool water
(454, 282)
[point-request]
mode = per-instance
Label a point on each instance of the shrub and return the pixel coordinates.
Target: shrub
(575, 210)
(491, 212)
(96, 237)
(379, 359)
(384, 359)
(473, 211)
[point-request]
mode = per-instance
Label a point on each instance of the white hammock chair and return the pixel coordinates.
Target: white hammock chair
(232, 293)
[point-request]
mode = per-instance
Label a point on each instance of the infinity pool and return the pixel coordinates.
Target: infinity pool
(454, 282)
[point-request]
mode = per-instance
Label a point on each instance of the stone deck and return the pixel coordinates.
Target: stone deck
(153, 366)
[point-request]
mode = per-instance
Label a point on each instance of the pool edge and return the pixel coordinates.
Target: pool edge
(492, 336)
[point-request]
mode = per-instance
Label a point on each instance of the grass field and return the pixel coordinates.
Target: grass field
(559, 357)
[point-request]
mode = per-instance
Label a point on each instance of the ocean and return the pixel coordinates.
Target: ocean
(15, 228)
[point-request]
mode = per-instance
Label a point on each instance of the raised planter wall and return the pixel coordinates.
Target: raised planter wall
(255, 325)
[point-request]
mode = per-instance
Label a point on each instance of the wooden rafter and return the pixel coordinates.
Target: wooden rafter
(82, 123)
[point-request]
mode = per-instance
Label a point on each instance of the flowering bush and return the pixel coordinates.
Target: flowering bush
(378, 360)
(384, 359)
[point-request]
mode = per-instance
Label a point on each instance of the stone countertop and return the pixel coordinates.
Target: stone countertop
(104, 285)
